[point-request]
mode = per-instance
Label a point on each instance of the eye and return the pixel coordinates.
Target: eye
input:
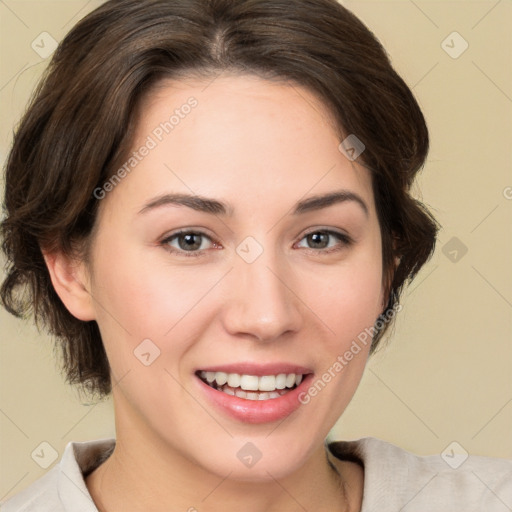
(320, 239)
(189, 243)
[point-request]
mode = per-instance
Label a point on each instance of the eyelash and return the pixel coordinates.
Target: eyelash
(344, 239)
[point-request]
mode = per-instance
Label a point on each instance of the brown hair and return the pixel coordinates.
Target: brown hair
(80, 123)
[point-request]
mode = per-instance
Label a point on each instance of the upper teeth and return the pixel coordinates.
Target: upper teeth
(253, 382)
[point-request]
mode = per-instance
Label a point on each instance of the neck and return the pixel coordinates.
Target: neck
(145, 473)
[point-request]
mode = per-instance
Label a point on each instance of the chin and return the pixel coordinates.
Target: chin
(256, 459)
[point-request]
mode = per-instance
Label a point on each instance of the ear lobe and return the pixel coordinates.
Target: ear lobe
(71, 284)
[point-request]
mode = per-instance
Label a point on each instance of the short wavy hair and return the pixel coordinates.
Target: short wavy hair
(80, 124)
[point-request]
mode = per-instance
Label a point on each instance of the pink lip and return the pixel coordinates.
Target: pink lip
(249, 368)
(255, 411)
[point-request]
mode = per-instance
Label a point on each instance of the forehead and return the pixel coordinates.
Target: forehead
(240, 90)
(239, 134)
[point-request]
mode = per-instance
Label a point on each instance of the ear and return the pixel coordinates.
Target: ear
(71, 283)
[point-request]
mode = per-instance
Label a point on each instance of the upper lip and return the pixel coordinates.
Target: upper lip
(251, 368)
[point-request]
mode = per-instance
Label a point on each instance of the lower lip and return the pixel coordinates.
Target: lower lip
(256, 411)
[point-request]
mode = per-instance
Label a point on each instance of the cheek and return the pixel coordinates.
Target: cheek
(139, 298)
(349, 297)
(348, 307)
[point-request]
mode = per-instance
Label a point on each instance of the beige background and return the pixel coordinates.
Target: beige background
(447, 374)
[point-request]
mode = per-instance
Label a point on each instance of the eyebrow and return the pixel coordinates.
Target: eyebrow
(216, 207)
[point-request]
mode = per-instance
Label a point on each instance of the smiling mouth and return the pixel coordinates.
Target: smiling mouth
(251, 387)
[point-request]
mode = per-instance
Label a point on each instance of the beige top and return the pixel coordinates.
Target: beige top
(394, 480)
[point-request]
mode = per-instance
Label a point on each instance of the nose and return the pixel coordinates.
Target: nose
(261, 300)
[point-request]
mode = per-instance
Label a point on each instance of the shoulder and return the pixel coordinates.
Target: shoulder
(63, 488)
(400, 480)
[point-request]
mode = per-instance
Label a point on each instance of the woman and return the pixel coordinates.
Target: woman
(208, 202)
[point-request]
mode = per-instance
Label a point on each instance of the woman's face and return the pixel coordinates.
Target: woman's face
(260, 281)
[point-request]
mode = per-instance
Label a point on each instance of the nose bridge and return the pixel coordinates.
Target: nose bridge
(263, 304)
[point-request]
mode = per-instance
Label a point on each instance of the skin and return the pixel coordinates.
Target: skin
(261, 147)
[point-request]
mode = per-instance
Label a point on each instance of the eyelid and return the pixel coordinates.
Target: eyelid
(329, 230)
(186, 231)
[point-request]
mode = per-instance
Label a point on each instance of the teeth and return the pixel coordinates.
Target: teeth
(221, 378)
(249, 382)
(267, 383)
(240, 393)
(281, 381)
(234, 380)
(253, 395)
